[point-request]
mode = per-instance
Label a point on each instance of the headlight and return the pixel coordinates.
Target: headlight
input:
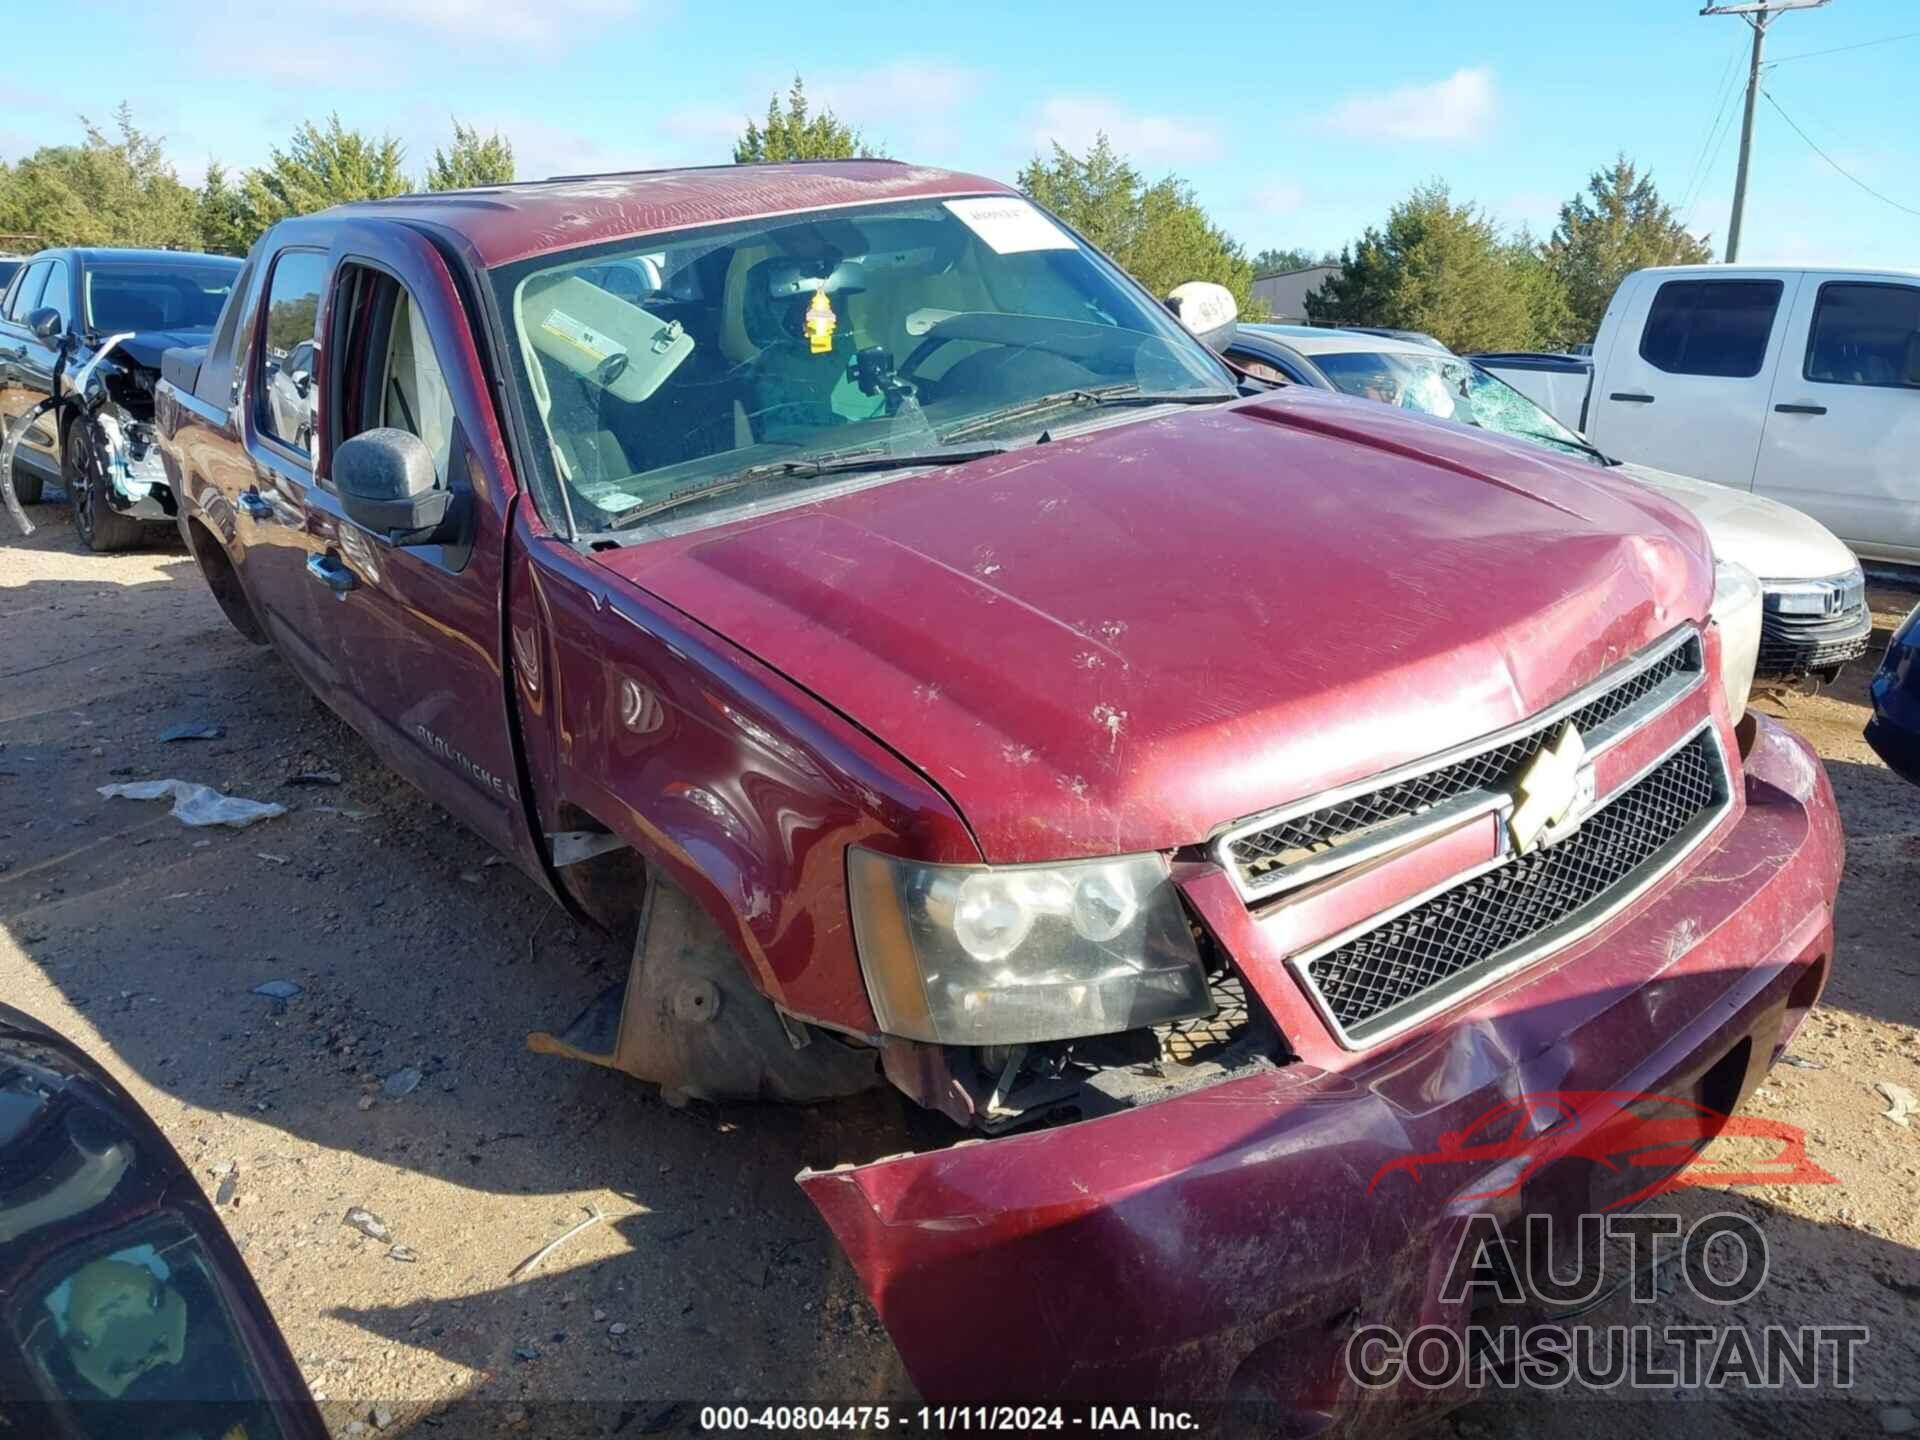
(1736, 614)
(1008, 955)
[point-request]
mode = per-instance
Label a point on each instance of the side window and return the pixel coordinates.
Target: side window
(58, 294)
(26, 295)
(1710, 327)
(392, 376)
(1865, 335)
(284, 394)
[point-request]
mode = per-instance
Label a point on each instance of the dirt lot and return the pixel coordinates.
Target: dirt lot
(711, 1277)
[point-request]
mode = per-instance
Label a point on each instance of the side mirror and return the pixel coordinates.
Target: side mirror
(45, 323)
(1207, 309)
(387, 484)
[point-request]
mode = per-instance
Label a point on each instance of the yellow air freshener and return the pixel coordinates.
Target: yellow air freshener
(820, 323)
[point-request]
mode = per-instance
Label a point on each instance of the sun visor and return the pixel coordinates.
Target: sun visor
(623, 349)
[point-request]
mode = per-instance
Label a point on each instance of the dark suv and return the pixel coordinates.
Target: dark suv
(60, 312)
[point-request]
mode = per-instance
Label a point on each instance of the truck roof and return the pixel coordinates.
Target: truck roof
(1713, 271)
(511, 222)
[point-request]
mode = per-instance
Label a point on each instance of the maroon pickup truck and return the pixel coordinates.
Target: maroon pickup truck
(845, 578)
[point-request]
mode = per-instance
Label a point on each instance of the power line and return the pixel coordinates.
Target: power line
(1725, 89)
(1842, 49)
(1888, 199)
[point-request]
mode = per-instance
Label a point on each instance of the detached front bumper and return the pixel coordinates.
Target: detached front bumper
(1225, 1242)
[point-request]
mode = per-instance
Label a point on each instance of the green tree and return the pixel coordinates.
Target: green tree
(1441, 267)
(797, 132)
(1157, 232)
(223, 214)
(1551, 314)
(1279, 262)
(471, 161)
(1618, 225)
(111, 189)
(321, 166)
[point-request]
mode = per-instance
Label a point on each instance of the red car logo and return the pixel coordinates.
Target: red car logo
(1620, 1130)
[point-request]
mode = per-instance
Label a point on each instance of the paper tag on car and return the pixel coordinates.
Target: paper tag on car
(1010, 225)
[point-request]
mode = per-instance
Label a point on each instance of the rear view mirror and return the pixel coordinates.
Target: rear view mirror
(1207, 309)
(45, 323)
(388, 485)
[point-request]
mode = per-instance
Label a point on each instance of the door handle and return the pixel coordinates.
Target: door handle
(254, 505)
(328, 570)
(1631, 398)
(1801, 409)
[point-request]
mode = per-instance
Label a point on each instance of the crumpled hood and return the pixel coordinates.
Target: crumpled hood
(1120, 640)
(1774, 541)
(144, 347)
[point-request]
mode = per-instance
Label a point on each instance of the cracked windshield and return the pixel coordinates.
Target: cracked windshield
(680, 368)
(1451, 388)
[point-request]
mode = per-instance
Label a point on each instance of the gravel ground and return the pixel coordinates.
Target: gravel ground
(710, 1275)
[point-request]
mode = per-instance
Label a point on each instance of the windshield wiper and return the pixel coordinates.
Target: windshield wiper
(844, 463)
(1103, 397)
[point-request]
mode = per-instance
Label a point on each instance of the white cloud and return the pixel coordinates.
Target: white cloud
(1457, 108)
(1277, 199)
(1074, 120)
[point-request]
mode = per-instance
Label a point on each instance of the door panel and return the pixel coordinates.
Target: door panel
(32, 361)
(417, 627)
(1842, 437)
(1685, 386)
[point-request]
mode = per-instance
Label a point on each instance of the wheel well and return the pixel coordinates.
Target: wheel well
(611, 888)
(223, 580)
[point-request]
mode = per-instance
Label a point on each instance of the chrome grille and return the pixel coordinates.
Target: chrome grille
(1267, 856)
(1792, 645)
(1385, 978)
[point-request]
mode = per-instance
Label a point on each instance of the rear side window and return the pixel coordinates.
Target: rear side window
(1711, 327)
(1865, 335)
(284, 394)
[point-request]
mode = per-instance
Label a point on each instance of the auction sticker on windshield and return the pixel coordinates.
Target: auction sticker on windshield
(1010, 225)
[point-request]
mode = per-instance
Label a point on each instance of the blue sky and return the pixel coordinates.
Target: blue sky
(1296, 124)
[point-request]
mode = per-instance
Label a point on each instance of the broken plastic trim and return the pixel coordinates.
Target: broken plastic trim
(26, 421)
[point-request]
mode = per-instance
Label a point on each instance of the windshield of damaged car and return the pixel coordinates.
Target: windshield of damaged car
(657, 368)
(1451, 388)
(129, 295)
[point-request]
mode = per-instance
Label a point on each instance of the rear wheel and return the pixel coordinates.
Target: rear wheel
(83, 469)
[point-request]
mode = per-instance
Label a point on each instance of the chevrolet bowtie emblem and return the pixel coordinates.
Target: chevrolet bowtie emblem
(1553, 794)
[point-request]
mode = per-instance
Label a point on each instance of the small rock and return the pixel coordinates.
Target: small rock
(617, 1328)
(224, 1191)
(1898, 1420)
(404, 1254)
(526, 1352)
(367, 1223)
(354, 1427)
(470, 877)
(599, 1315)
(402, 1082)
(315, 777)
(381, 1417)
(366, 1102)
(277, 989)
(1800, 1062)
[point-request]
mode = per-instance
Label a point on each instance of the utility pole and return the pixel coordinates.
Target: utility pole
(1758, 15)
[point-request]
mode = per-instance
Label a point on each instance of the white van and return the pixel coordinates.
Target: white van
(1798, 384)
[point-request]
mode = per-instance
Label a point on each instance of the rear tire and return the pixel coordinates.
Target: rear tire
(83, 470)
(27, 485)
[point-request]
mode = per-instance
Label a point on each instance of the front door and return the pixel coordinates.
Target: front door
(269, 503)
(1843, 431)
(416, 627)
(1685, 386)
(33, 363)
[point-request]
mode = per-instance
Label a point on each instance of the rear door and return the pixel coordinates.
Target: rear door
(416, 628)
(1842, 438)
(1684, 388)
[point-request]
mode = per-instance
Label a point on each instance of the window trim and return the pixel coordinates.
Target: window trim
(25, 277)
(256, 393)
(1760, 365)
(66, 265)
(1813, 328)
